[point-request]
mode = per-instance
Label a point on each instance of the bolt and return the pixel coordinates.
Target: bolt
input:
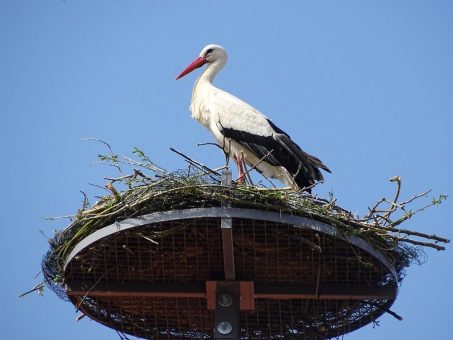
(225, 300)
(224, 327)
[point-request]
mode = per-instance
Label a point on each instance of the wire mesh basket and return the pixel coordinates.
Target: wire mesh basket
(159, 276)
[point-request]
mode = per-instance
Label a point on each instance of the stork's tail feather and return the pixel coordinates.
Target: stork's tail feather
(316, 162)
(305, 180)
(312, 174)
(305, 168)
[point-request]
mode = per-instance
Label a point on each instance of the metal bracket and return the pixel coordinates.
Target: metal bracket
(226, 225)
(226, 325)
(246, 294)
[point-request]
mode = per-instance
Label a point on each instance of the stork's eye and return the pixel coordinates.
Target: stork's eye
(209, 51)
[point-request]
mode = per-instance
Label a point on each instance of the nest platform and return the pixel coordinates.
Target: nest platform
(293, 276)
(187, 257)
(194, 255)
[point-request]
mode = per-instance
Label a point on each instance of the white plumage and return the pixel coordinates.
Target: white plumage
(244, 132)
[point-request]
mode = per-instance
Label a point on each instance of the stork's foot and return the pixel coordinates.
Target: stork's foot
(241, 172)
(241, 179)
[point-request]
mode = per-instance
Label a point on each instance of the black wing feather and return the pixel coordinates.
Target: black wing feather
(280, 150)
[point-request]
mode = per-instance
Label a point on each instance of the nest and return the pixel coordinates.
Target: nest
(150, 188)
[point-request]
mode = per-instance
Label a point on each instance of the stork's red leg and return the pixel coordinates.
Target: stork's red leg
(241, 172)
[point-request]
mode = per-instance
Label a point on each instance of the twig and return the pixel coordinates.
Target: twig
(260, 161)
(53, 218)
(86, 201)
(385, 219)
(203, 171)
(98, 186)
(100, 141)
(125, 247)
(115, 192)
(150, 166)
(394, 204)
(141, 174)
(80, 316)
(312, 246)
(310, 186)
(112, 155)
(409, 214)
(247, 173)
(38, 287)
(424, 244)
(122, 335)
(116, 179)
(220, 168)
(415, 197)
(124, 207)
(214, 144)
(194, 162)
(408, 232)
(396, 316)
(318, 276)
(331, 204)
(392, 313)
(275, 189)
(373, 209)
(88, 291)
(147, 238)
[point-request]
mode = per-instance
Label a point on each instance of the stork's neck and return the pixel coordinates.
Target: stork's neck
(201, 92)
(211, 71)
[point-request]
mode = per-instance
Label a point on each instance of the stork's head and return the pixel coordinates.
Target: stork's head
(210, 54)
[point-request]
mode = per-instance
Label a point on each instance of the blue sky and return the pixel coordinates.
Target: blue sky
(364, 85)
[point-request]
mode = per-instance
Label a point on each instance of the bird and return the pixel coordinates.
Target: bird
(245, 133)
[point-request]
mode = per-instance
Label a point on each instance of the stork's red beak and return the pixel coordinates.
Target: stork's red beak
(200, 61)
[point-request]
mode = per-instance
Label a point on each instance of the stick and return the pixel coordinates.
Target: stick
(247, 173)
(312, 246)
(150, 166)
(373, 209)
(416, 196)
(215, 144)
(394, 205)
(39, 286)
(98, 186)
(116, 179)
(194, 162)
(408, 232)
(88, 292)
(50, 218)
(115, 192)
(260, 161)
(424, 244)
(396, 316)
(110, 149)
(310, 186)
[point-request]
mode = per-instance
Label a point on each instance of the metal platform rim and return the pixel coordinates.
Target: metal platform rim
(229, 212)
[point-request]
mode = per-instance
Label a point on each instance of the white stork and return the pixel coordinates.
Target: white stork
(244, 132)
